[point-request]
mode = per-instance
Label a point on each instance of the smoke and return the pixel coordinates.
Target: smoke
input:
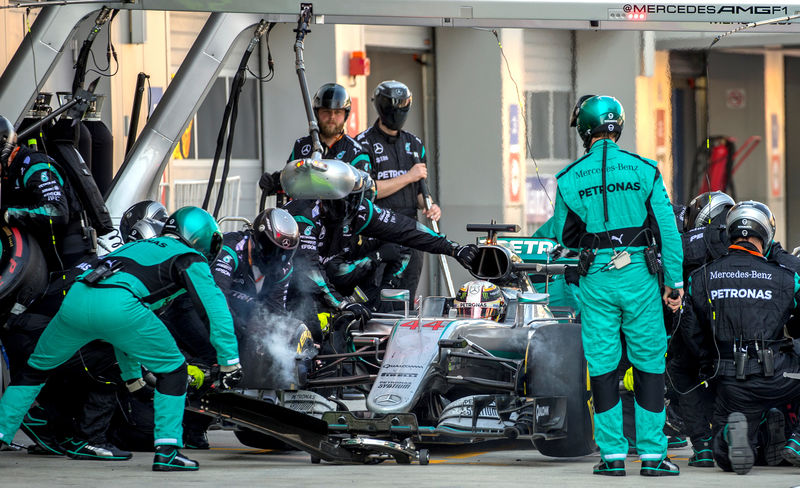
(270, 351)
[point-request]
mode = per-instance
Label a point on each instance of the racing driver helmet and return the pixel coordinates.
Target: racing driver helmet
(705, 207)
(480, 300)
(276, 234)
(750, 218)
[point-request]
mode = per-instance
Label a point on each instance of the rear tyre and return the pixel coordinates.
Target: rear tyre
(556, 367)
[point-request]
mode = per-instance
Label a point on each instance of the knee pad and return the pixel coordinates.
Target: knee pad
(172, 383)
(648, 389)
(30, 376)
(605, 391)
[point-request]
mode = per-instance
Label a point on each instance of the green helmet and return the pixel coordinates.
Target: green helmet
(599, 114)
(197, 229)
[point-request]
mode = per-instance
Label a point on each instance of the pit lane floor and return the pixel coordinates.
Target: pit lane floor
(501, 465)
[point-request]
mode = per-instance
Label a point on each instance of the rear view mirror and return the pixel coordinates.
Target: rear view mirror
(395, 295)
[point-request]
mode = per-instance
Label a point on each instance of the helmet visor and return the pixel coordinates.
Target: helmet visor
(489, 311)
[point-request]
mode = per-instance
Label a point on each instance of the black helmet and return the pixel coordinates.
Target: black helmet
(705, 206)
(144, 229)
(392, 100)
(146, 209)
(748, 219)
(276, 233)
(333, 96)
(8, 139)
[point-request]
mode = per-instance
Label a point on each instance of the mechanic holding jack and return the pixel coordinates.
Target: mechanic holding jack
(733, 324)
(613, 207)
(138, 278)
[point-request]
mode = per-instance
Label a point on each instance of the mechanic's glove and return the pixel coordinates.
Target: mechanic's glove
(140, 390)
(361, 312)
(627, 380)
(464, 254)
(196, 376)
(571, 275)
(230, 376)
(324, 321)
(270, 182)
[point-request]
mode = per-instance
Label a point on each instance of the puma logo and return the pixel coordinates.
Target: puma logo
(617, 238)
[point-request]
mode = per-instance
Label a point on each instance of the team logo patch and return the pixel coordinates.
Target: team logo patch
(285, 243)
(340, 155)
(44, 176)
(227, 259)
(305, 149)
(307, 231)
(408, 147)
(378, 148)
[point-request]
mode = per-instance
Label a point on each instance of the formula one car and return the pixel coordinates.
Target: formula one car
(435, 377)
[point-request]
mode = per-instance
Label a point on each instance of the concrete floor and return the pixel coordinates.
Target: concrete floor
(230, 464)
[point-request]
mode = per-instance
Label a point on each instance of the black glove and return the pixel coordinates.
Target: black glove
(465, 254)
(571, 275)
(140, 390)
(270, 183)
(230, 376)
(361, 312)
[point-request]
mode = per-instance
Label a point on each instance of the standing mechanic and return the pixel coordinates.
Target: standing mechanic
(398, 164)
(733, 323)
(138, 278)
(332, 109)
(612, 205)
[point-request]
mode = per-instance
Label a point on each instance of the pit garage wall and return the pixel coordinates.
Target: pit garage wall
(473, 98)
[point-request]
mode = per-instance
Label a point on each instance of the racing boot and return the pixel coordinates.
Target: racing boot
(34, 425)
(661, 467)
(703, 456)
(610, 468)
(169, 458)
(740, 453)
(79, 449)
(791, 451)
(774, 436)
(675, 442)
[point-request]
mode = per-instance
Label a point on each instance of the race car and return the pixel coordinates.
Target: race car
(437, 377)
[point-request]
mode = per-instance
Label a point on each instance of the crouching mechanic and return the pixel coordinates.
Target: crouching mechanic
(255, 264)
(115, 302)
(612, 205)
(733, 323)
